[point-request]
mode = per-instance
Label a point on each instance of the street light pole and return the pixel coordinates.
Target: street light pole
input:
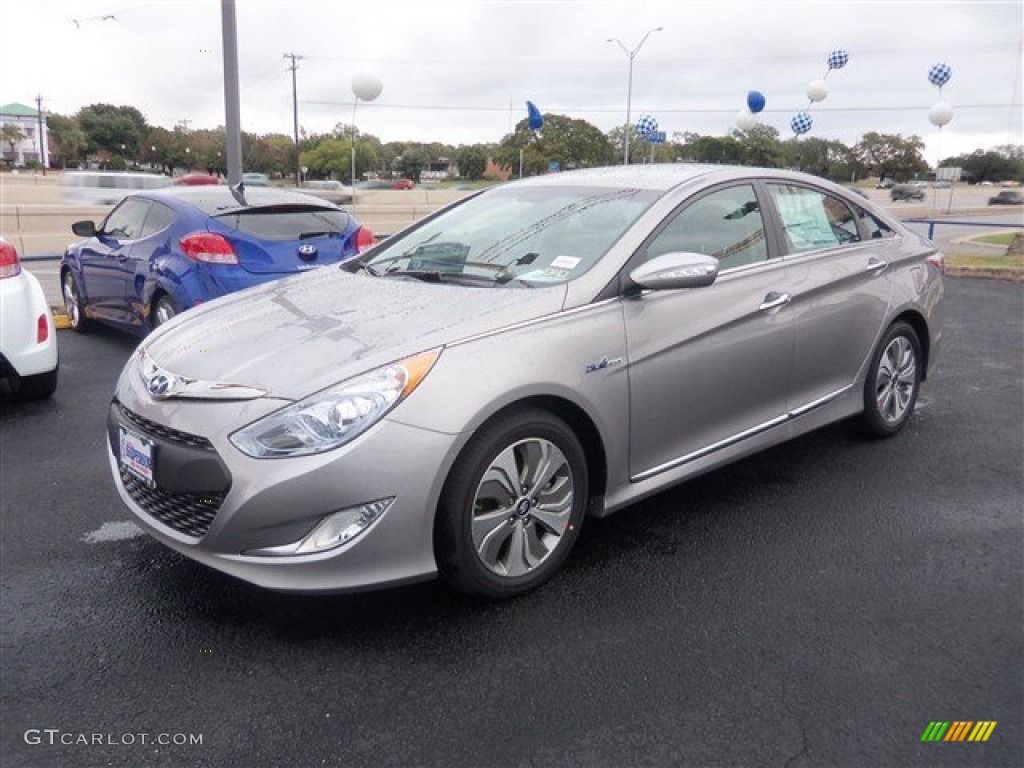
(629, 88)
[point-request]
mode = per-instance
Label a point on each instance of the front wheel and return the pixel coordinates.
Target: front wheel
(512, 506)
(893, 382)
(73, 304)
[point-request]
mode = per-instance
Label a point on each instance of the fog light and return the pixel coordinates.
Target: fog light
(333, 531)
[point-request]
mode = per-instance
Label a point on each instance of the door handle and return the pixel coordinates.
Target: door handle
(775, 300)
(876, 265)
(122, 258)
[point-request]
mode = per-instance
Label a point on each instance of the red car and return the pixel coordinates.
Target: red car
(404, 184)
(196, 180)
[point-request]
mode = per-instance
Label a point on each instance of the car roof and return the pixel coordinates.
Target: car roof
(214, 200)
(663, 177)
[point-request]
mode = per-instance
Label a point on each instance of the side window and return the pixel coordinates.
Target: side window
(875, 227)
(812, 219)
(125, 221)
(726, 224)
(159, 218)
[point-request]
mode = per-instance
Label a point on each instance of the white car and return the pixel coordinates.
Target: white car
(28, 338)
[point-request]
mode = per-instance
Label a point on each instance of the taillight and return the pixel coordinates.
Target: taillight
(9, 264)
(364, 239)
(42, 329)
(208, 248)
(938, 261)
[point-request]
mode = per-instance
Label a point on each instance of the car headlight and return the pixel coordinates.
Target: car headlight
(337, 415)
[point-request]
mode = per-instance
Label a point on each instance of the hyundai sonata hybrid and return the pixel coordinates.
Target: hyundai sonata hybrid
(459, 398)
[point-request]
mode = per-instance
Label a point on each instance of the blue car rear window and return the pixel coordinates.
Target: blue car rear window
(287, 222)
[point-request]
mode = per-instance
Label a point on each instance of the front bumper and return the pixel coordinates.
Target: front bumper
(273, 502)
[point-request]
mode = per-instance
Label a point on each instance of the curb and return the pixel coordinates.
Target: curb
(1015, 274)
(60, 319)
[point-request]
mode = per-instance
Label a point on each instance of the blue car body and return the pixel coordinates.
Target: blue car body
(154, 244)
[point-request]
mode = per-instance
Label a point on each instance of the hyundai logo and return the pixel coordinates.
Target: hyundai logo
(307, 251)
(159, 385)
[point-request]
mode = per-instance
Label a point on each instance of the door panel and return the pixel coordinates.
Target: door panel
(708, 364)
(106, 266)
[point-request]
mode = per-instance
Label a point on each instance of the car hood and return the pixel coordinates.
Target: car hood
(299, 335)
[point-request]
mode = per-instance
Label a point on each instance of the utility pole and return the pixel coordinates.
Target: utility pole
(42, 139)
(232, 107)
(295, 115)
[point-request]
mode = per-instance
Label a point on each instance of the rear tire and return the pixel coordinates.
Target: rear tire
(512, 506)
(36, 387)
(163, 311)
(893, 382)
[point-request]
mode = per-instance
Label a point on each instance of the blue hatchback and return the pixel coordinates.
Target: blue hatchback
(158, 253)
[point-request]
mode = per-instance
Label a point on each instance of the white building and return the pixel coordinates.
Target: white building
(27, 148)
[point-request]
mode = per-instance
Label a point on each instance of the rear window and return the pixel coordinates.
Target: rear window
(287, 222)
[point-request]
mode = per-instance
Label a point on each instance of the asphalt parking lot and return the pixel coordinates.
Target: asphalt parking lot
(818, 604)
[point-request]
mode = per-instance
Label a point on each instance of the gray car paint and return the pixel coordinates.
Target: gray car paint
(667, 405)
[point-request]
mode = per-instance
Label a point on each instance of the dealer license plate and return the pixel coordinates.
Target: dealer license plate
(137, 456)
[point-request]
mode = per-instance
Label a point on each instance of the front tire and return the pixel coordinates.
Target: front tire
(73, 304)
(893, 382)
(512, 506)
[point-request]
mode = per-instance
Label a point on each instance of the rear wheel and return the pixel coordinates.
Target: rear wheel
(73, 303)
(163, 311)
(893, 382)
(512, 506)
(35, 387)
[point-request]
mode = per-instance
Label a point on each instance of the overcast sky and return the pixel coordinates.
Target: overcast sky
(460, 72)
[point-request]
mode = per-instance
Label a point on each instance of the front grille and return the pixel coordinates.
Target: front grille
(187, 513)
(159, 430)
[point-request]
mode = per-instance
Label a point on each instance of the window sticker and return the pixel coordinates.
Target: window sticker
(548, 275)
(565, 262)
(806, 221)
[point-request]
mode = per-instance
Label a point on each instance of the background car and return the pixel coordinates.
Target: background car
(1007, 197)
(462, 396)
(157, 254)
(255, 179)
(196, 180)
(28, 339)
(906, 192)
(403, 184)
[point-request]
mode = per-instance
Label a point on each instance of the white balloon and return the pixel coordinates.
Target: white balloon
(745, 120)
(367, 86)
(940, 114)
(817, 90)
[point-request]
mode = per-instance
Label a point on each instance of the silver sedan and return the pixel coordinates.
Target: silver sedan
(459, 398)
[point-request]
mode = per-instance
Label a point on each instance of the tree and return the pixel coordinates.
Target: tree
(472, 161)
(761, 147)
(412, 163)
(1000, 164)
(891, 155)
(822, 157)
(713, 149)
(570, 142)
(12, 134)
(113, 130)
(332, 158)
(69, 140)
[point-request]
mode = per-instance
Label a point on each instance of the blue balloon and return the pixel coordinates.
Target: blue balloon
(755, 101)
(536, 119)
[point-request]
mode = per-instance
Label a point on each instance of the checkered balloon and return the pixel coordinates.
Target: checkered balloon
(940, 73)
(646, 125)
(801, 123)
(838, 59)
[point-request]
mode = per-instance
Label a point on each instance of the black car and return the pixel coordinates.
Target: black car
(1007, 197)
(906, 192)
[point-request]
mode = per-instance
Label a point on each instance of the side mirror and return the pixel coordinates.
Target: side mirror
(84, 228)
(672, 271)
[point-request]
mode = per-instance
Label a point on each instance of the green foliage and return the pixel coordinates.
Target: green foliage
(68, 140)
(332, 159)
(108, 128)
(472, 161)
(412, 163)
(1004, 163)
(891, 155)
(570, 142)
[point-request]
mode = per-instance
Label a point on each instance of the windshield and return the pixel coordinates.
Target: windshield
(519, 235)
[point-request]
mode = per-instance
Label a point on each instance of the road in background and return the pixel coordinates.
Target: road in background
(817, 604)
